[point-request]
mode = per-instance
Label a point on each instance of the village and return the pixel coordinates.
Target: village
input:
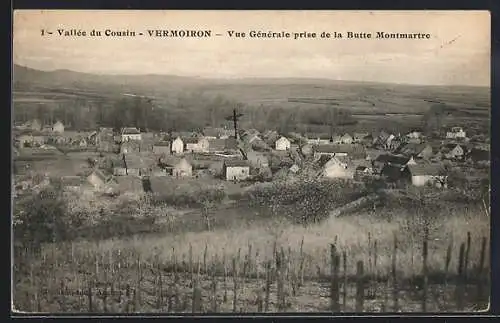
(131, 161)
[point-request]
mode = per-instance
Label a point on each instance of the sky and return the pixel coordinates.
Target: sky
(458, 52)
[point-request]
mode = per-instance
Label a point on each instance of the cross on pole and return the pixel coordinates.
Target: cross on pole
(235, 117)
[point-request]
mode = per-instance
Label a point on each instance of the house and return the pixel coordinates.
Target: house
(203, 145)
(318, 138)
(216, 145)
(414, 134)
(364, 170)
(162, 147)
(427, 174)
(270, 137)
(416, 151)
(383, 140)
(232, 145)
(34, 125)
(346, 139)
(191, 144)
(355, 151)
(257, 159)
(25, 140)
(58, 127)
(456, 133)
(126, 167)
(129, 147)
(71, 182)
(130, 133)
(97, 179)
(216, 133)
(38, 139)
(453, 151)
(392, 173)
(80, 142)
(178, 167)
(392, 160)
(235, 170)
(359, 137)
(140, 163)
(282, 143)
(337, 167)
(177, 146)
(294, 169)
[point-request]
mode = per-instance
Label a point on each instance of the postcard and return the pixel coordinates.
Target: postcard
(259, 162)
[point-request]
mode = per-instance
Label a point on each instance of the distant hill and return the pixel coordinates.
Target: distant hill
(364, 97)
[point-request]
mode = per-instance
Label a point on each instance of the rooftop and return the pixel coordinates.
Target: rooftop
(236, 163)
(426, 169)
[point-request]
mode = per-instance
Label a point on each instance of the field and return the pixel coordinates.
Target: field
(294, 263)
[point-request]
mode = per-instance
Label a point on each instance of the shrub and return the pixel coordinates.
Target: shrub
(304, 201)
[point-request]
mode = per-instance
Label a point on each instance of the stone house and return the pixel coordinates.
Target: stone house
(58, 127)
(427, 174)
(177, 167)
(456, 133)
(282, 144)
(346, 139)
(130, 133)
(453, 151)
(399, 162)
(162, 147)
(417, 151)
(235, 170)
(337, 167)
(216, 145)
(97, 179)
(177, 146)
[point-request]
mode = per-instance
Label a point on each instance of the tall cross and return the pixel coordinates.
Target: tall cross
(235, 117)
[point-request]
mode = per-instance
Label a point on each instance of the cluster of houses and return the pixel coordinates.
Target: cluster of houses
(249, 154)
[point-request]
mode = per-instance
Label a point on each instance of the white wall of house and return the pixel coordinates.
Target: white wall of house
(128, 137)
(282, 144)
(335, 169)
(178, 146)
(456, 134)
(237, 173)
(58, 127)
(203, 145)
(422, 180)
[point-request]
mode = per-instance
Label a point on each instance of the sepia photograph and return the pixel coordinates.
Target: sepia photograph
(205, 162)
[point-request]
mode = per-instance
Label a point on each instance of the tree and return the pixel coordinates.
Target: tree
(42, 218)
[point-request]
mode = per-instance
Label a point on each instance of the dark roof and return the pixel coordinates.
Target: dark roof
(216, 144)
(130, 131)
(323, 160)
(339, 148)
(231, 143)
(236, 163)
(163, 144)
(392, 172)
(212, 132)
(190, 140)
(411, 148)
(426, 169)
(71, 180)
(139, 161)
(392, 159)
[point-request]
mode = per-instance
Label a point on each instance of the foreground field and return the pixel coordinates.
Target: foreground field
(271, 266)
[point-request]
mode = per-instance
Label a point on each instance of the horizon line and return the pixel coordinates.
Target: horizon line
(242, 78)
